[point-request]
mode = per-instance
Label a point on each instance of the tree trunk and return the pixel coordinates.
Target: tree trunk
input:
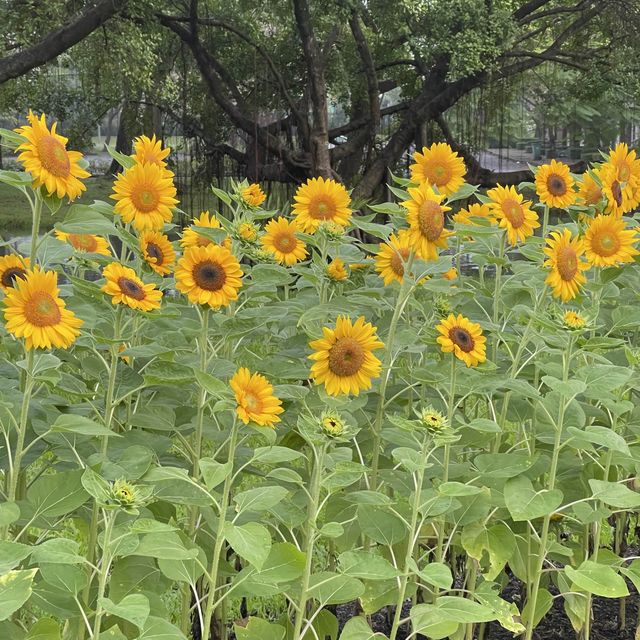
(126, 131)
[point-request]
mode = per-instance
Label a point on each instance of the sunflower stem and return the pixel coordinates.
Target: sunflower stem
(105, 564)
(496, 291)
(545, 221)
(36, 211)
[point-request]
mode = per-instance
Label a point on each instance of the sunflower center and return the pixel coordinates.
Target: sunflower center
(9, 276)
(201, 241)
(155, 252)
(322, 210)
(616, 192)
(145, 199)
(53, 156)
(209, 275)
(556, 185)
(439, 174)
(131, 288)
(513, 212)
(42, 310)
(284, 242)
(605, 244)
(346, 357)
(83, 242)
(461, 338)
(430, 220)
(398, 259)
(567, 261)
(252, 402)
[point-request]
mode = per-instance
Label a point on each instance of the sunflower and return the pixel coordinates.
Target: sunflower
(280, 240)
(254, 395)
(253, 195)
(12, 267)
(464, 338)
(157, 251)
(574, 320)
(607, 242)
(425, 215)
(124, 287)
(149, 150)
(439, 166)
(209, 275)
(626, 164)
(590, 191)
(34, 311)
(451, 274)
(45, 156)
(512, 213)
(247, 231)
(336, 270)
(554, 185)
(473, 211)
(319, 200)
(145, 195)
(392, 257)
(564, 258)
(619, 195)
(344, 360)
(191, 238)
(85, 242)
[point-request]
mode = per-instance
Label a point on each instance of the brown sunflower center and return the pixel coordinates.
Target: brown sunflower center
(145, 199)
(430, 220)
(53, 156)
(513, 212)
(398, 259)
(155, 253)
(322, 210)
(9, 276)
(252, 402)
(131, 288)
(605, 243)
(556, 185)
(209, 275)
(42, 310)
(567, 261)
(83, 242)
(616, 192)
(284, 242)
(346, 357)
(462, 339)
(439, 174)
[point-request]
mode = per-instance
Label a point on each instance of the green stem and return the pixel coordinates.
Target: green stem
(471, 587)
(104, 574)
(36, 211)
(545, 221)
(496, 290)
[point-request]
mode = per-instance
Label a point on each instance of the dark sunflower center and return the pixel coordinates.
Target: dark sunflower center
(605, 244)
(145, 198)
(513, 212)
(9, 276)
(42, 310)
(131, 288)
(155, 253)
(398, 259)
(430, 220)
(209, 275)
(616, 192)
(556, 185)
(83, 242)
(346, 357)
(53, 156)
(567, 261)
(284, 242)
(461, 338)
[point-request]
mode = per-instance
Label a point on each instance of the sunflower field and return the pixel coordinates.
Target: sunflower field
(414, 419)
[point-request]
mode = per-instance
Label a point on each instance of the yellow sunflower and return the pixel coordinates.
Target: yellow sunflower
(564, 258)
(425, 215)
(440, 167)
(626, 164)
(512, 213)
(209, 275)
(44, 155)
(85, 242)
(590, 192)
(451, 274)
(472, 212)
(149, 150)
(620, 195)
(247, 231)
(574, 320)
(125, 287)
(607, 242)
(253, 195)
(554, 185)
(145, 195)
(392, 257)
(464, 338)
(34, 311)
(344, 360)
(12, 267)
(191, 238)
(254, 395)
(157, 251)
(336, 270)
(280, 240)
(319, 200)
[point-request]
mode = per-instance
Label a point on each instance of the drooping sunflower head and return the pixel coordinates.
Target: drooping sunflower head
(474, 212)
(253, 195)
(440, 167)
(554, 185)
(125, 287)
(336, 271)
(463, 338)
(574, 320)
(44, 155)
(621, 196)
(590, 191)
(34, 311)
(393, 255)
(247, 231)
(157, 251)
(149, 150)
(12, 267)
(343, 357)
(280, 239)
(564, 258)
(513, 213)
(85, 242)
(255, 399)
(608, 243)
(145, 195)
(321, 200)
(191, 238)
(209, 275)
(425, 215)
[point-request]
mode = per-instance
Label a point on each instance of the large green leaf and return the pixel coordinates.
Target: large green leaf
(260, 499)
(15, 590)
(358, 629)
(55, 495)
(599, 579)
(334, 588)
(158, 629)
(44, 629)
(133, 608)
(381, 525)
(11, 554)
(615, 494)
(366, 566)
(258, 629)
(525, 503)
(251, 541)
